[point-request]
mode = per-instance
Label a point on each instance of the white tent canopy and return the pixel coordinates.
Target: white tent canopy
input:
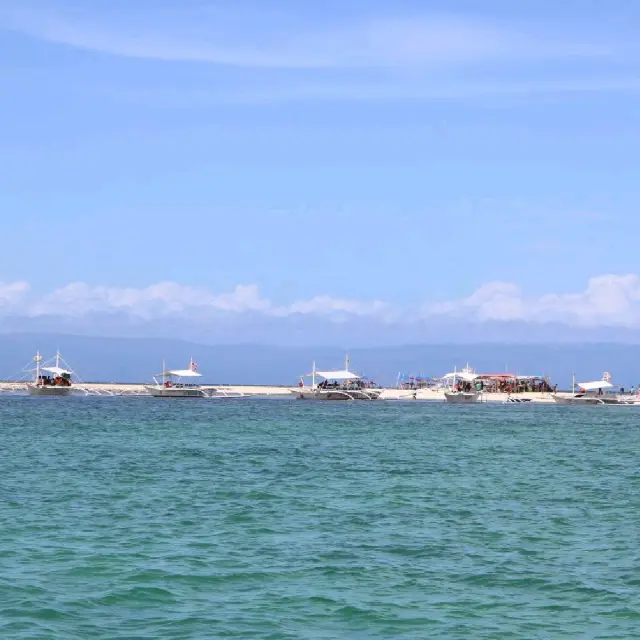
(463, 375)
(337, 375)
(57, 371)
(592, 386)
(181, 373)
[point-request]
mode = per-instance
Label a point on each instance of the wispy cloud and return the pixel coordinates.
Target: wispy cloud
(265, 40)
(250, 53)
(291, 57)
(418, 91)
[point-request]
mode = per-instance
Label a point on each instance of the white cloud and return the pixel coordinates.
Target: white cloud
(12, 293)
(608, 300)
(163, 298)
(328, 305)
(170, 298)
(493, 301)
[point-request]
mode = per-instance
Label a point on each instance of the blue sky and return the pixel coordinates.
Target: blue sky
(320, 157)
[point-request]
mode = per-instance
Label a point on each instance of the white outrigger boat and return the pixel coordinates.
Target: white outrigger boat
(463, 392)
(340, 384)
(171, 383)
(50, 378)
(596, 393)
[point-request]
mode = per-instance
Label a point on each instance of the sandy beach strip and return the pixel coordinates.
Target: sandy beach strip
(285, 392)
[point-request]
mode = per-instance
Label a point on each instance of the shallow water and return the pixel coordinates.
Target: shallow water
(143, 518)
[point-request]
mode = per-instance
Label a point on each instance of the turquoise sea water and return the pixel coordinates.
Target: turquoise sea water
(142, 518)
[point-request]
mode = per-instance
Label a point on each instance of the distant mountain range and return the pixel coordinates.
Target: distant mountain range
(300, 330)
(137, 359)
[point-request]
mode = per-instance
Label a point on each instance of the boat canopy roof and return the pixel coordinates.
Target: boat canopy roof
(508, 376)
(598, 384)
(463, 375)
(499, 376)
(338, 375)
(57, 371)
(181, 373)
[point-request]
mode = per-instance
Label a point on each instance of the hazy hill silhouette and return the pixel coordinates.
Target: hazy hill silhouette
(137, 359)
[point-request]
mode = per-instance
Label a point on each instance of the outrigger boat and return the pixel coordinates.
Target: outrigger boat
(50, 378)
(598, 392)
(340, 384)
(463, 392)
(171, 383)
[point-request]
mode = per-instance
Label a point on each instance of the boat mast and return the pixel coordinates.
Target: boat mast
(346, 363)
(313, 375)
(163, 372)
(37, 359)
(573, 383)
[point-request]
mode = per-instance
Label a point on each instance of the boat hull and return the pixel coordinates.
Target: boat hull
(591, 401)
(39, 390)
(174, 392)
(462, 397)
(337, 394)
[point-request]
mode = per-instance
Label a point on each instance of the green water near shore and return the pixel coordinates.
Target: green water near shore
(138, 518)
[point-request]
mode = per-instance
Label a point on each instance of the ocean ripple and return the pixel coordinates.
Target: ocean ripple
(283, 519)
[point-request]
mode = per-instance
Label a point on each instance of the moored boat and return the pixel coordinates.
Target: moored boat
(171, 384)
(595, 393)
(50, 378)
(462, 388)
(340, 384)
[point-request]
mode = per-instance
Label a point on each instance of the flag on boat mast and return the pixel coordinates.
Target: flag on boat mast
(193, 366)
